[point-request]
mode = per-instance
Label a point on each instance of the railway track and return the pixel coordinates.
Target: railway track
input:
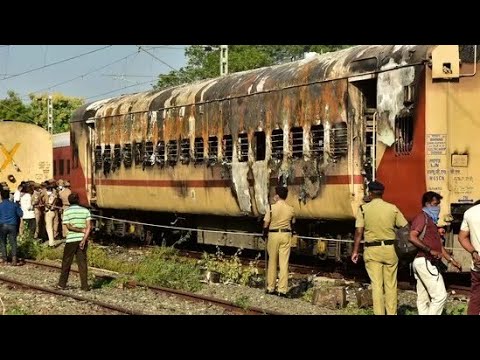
(47, 290)
(227, 305)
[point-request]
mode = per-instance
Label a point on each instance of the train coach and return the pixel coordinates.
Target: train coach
(25, 153)
(212, 151)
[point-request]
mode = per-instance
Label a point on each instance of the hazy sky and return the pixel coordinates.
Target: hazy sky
(137, 67)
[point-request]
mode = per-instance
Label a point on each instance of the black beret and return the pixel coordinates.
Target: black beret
(375, 186)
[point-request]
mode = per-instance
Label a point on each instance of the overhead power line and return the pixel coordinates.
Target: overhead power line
(55, 63)
(86, 74)
(125, 87)
(163, 62)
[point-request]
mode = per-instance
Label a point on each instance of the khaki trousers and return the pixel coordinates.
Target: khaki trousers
(381, 263)
(38, 220)
(49, 223)
(278, 248)
(56, 224)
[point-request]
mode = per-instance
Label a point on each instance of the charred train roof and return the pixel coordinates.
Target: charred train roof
(316, 68)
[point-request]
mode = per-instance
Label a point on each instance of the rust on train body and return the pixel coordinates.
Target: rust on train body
(218, 146)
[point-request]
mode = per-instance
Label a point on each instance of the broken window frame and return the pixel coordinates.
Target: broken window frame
(160, 153)
(242, 148)
(98, 157)
(198, 150)
(127, 155)
(117, 157)
(107, 159)
(185, 151)
(212, 150)
(276, 139)
(339, 140)
(317, 138)
(148, 155)
(260, 145)
(296, 142)
(227, 147)
(172, 152)
(404, 134)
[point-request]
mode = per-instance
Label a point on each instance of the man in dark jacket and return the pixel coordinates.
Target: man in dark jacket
(10, 215)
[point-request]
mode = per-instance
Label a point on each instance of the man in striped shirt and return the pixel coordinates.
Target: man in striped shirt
(78, 222)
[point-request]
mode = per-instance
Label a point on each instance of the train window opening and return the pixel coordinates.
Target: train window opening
(107, 159)
(228, 148)
(138, 151)
(403, 134)
(54, 168)
(172, 152)
(243, 147)
(117, 157)
(61, 167)
(98, 157)
(68, 166)
(148, 157)
(160, 153)
(317, 133)
(297, 142)
(368, 88)
(127, 155)
(260, 145)
(185, 151)
(339, 140)
(198, 150)
(277, 144)
(212, 149)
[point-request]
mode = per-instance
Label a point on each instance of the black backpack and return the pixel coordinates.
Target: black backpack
(405, 250)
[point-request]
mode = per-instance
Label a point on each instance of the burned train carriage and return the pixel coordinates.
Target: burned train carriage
(326, 125)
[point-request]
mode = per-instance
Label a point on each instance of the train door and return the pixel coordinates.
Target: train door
(365, 105)
(90, 160)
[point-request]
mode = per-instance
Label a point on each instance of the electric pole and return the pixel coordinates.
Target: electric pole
(223, 60)
(50, 115)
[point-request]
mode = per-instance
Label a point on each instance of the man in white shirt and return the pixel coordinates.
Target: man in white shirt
(29, 222)
(469, 238)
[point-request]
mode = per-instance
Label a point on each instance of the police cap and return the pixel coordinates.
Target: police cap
(375, 186)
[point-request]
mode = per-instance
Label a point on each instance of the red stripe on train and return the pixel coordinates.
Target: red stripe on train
(330, 180)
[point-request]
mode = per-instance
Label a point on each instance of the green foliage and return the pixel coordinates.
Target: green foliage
(17, 311)
(13, 108)
(172, 272)
(242, 301)
(230, 269)
(202, 64)
(456, 309)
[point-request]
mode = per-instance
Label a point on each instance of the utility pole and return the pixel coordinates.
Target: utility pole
(50, 115)
(223, 60)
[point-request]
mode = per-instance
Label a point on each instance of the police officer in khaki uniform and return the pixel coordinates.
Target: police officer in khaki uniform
(64, 187)
(278, 222)
(51, 201)
(38, 208)
(377, 221)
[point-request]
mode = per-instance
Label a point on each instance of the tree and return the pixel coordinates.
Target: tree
(63, 108)
(202, 64)
(13, 108)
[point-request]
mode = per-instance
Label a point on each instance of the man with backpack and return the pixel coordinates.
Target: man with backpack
(378, 220)
(427, 265)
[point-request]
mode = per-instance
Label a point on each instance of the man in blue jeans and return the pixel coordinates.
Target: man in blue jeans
(10, 215)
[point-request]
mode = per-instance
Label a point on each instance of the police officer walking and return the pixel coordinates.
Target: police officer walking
(376, 221)
(278, 222)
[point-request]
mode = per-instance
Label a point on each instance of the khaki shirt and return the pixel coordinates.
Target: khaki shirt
(281, 217)
(379, 218)
(64, 197)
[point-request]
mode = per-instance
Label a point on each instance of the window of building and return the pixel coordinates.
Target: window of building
(54, 168)
(68, 166)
